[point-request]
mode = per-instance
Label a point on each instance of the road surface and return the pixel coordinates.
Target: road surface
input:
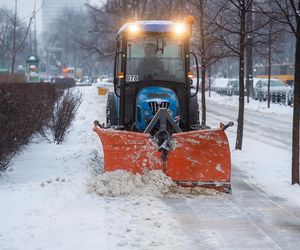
(272, 128)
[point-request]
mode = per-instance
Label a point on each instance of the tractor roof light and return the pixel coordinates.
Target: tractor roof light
(180, 28)
(133, 28)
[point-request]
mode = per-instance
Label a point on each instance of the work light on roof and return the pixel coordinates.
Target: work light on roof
(133, 28)
(179, 28)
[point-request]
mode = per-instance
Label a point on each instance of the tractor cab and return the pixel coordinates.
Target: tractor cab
(152, 71)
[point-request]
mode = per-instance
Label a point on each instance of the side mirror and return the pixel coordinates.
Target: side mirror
(197, 71)
(116, 81)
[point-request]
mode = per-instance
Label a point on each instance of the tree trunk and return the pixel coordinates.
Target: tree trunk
(240, 127)
(270, 64)
(249, 53)
(296, 115)
(13, 60)
(249, 78)
(209, 81)
(269, 77)
(203, 63)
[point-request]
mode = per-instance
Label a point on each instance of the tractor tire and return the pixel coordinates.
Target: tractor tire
(111, 110)
(194, 111)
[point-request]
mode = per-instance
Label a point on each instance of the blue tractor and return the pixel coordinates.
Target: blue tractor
(153, 113)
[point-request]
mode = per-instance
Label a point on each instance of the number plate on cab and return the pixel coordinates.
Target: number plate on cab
(132, 78)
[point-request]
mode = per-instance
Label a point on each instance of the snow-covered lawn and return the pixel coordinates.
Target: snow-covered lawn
(253, 106)
(268, 167)
(265, 164)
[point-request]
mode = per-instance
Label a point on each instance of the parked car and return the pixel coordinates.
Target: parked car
(65, 82)
(276, 87)
(219, 85)
(194, 83)
(233, 87)
(291, 94)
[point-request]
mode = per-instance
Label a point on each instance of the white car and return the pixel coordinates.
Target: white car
(233, 87)
(276, 87)
(219, 85)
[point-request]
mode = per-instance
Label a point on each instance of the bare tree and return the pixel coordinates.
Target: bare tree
(287, 13)
(290, 11)
(230, 20)
(203, 42)
(105, 21)
(18, 43)
(274, 33)
(203, 61)
(249, 53)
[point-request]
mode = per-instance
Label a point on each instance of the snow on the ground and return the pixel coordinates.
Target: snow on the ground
(263, 164)
(253, 106)
(268, 167)
(53, 197)
(45, 201)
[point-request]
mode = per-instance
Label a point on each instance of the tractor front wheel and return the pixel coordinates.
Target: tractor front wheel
(194, 111)
(111, 110)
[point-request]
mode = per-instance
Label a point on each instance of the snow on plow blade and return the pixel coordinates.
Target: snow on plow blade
(197, 158)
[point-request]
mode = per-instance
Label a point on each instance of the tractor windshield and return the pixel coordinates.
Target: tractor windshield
(155, 58)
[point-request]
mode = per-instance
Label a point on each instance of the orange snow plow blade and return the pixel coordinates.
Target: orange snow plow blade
(197, 158)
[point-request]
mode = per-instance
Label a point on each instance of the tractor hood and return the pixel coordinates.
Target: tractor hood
(150, 100)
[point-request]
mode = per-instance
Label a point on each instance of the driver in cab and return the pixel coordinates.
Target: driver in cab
(150, 66)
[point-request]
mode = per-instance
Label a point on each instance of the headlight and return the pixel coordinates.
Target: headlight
(146, 112)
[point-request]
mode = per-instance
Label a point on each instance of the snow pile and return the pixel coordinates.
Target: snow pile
(154, 183)
(123, 183)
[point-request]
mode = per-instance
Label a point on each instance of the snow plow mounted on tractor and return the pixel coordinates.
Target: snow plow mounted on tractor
(153, 113)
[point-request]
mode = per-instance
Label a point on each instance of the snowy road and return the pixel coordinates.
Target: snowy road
(274, 128)
(46, 203)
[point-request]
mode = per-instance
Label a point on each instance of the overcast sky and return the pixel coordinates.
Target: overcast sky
(25, 8)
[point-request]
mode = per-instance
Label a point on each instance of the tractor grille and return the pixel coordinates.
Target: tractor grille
(154, 106)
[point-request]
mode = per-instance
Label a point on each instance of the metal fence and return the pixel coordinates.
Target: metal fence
(284, 98)
(276, 97)
(220, 90)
